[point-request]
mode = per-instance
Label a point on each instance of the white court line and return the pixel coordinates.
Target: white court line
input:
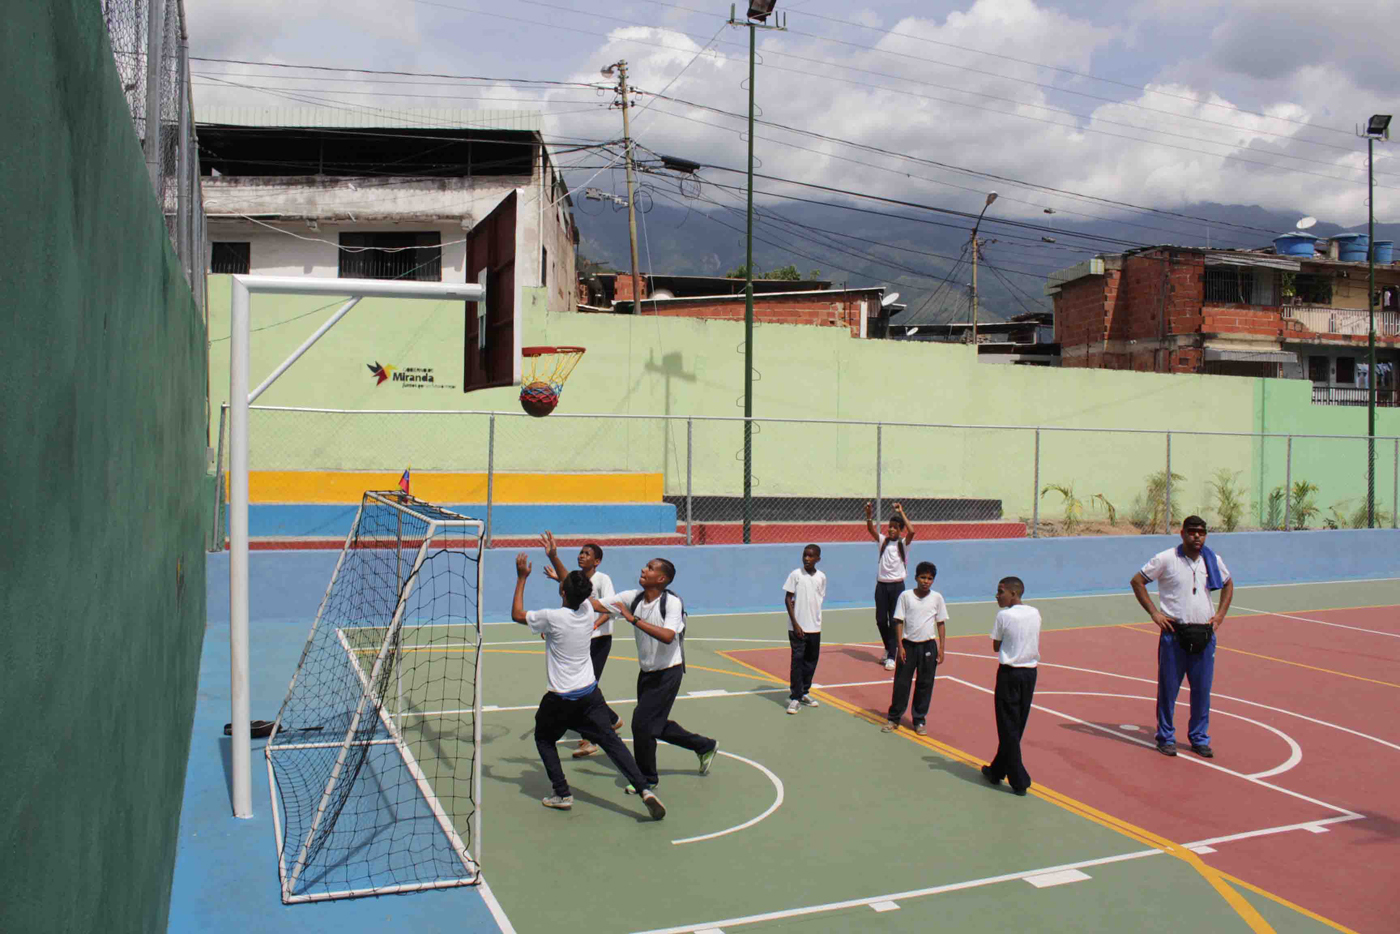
(1296, 751)
(493, 906)
(1198, 761)
(1322, 622)
(1241, 700)
(1045, 880)
(978, 883)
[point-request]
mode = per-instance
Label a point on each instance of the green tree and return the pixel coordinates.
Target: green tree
(788, 273)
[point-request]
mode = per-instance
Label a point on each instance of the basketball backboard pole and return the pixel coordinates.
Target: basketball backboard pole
(239, 400)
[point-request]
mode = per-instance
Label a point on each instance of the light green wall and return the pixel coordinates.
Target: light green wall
(657, 366)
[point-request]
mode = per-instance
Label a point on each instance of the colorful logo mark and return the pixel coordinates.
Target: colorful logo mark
(380, 372)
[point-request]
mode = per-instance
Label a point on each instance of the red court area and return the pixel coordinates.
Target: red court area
(1301, 797)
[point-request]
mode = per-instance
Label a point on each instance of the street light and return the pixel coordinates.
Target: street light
(991, 196)
(1378, 127)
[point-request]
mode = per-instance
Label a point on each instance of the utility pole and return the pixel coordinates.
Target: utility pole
(758, 11)
(621, 69)
(976, 248)
(1378, 127)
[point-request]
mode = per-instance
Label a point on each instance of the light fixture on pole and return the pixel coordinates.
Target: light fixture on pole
(991, 196)
(1378, 127)
(607, 72)
(759, 10)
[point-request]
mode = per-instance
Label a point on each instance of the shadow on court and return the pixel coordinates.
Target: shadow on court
(1145, 734)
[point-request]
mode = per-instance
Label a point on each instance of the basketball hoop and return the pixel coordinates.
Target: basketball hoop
(544, 372)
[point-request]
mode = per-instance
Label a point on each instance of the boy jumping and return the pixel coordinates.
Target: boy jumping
(890, 571)
(803, 595)
(573, 701)
(1016, 640)
(916, 615)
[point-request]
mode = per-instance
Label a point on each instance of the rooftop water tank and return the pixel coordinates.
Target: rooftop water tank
(1385, 251)
(1294, 243)
(1352, 247)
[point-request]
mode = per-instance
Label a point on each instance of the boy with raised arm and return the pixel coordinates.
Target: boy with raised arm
(803, 594)
(918, 618)
(658, 621)
(1016, 640)
(589, 557)
(891, 569)
(573, 701)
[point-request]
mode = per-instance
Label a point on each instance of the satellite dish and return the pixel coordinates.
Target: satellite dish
(1306, 222)
(889, 300)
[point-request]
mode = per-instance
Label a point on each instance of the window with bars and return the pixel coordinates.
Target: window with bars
(1241, 285)
(413, 255)
(230, 258)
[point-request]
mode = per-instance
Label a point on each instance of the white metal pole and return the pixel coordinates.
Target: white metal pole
(490, 473)
(1288, 484)
(879, 457)
(1167, 519)
(689, 476)
(305, 346)
(477, 694)
(238, 553)
(1035, 492)
(155, 42)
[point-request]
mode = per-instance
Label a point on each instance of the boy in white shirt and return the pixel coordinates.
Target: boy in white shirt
(803, 594)
(918, 620)
(573, 701)
(658, 620)
(589, 557)
(889, 575)
(1016, 640)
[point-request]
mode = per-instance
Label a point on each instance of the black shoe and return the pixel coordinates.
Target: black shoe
(1205, 752)
(1019, 792)
(1167, 749)
(987, 774)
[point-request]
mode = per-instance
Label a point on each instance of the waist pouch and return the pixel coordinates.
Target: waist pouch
(1194, 637)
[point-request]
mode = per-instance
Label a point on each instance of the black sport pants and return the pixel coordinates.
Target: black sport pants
(886, 602)
(651, 720)
(805, 649)
(1014, 691)
(598, 650)
(588, 715)
(920, 666)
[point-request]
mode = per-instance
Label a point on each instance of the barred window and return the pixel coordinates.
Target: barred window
(230, 258)
(391, 255)
(1241, 285)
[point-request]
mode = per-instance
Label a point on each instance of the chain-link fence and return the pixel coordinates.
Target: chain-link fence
(150, 47)
(626, 480)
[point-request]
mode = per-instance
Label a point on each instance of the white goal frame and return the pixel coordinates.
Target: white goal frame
(471, 860)
(244, 287)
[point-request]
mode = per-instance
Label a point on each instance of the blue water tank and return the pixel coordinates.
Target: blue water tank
(1294, 243)
(1385, 251)
(1352, 247)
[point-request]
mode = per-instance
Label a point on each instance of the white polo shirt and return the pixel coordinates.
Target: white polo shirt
(920, 615)
(603, 592)
(892, 567)
(1181, 585)
(1017, 628)
(653, 654)
(808, 592)
(567, 634)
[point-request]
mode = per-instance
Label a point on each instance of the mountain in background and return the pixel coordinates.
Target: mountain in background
(922, 255)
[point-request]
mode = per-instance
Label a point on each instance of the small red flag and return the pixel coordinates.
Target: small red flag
(403, 481)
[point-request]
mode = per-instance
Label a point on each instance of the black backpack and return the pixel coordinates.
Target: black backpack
(641, 596)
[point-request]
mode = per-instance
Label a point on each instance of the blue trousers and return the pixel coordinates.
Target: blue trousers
(1172, 663)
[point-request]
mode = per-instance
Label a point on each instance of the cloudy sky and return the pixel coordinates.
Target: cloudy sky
(1165, 103)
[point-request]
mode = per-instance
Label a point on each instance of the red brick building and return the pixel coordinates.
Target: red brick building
(1170, 309)
(814, 303)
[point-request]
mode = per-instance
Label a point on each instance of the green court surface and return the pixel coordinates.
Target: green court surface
(819, 822)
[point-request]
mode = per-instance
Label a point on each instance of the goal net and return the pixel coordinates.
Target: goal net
(373, 759)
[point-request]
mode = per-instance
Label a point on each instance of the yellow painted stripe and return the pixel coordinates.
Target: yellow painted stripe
(1243, 908)
(1281, 661)
(1287, 904)
(347, 486)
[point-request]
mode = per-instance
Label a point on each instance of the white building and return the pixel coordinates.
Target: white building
(325, 192)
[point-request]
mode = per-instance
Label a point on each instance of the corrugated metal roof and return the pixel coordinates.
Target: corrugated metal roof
(377, 118)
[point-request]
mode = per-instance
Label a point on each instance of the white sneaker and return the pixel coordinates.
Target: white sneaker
(889, 664)
(809, 701)
(792, 706)
(559, 803)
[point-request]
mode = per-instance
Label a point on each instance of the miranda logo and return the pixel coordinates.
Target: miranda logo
(380, 372)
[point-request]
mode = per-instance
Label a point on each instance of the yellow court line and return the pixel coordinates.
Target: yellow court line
(1282, 661)
(1241, 906)
(1287, 904)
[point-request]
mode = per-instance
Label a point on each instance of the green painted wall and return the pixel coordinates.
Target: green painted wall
(102, 437)
(655, 366)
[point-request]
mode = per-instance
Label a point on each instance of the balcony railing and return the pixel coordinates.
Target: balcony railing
(1327, 320)
(1342, 395)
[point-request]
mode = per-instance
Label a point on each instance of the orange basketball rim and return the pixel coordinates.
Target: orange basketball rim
(544, 371)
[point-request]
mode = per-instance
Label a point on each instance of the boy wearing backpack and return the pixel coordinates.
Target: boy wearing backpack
(658, 621)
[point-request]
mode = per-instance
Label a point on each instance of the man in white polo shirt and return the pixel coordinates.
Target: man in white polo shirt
(1185, 577)
(919, 633)
(573, 701)
(1016, 640)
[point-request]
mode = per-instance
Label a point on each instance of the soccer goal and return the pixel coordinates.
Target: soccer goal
(374, 759)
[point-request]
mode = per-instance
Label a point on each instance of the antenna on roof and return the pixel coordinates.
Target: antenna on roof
(889, 300)
(1305, 222)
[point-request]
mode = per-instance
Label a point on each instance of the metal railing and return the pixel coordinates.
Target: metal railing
(150, 46)
(643, 479)
(1325, 319)
(1346, 395)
